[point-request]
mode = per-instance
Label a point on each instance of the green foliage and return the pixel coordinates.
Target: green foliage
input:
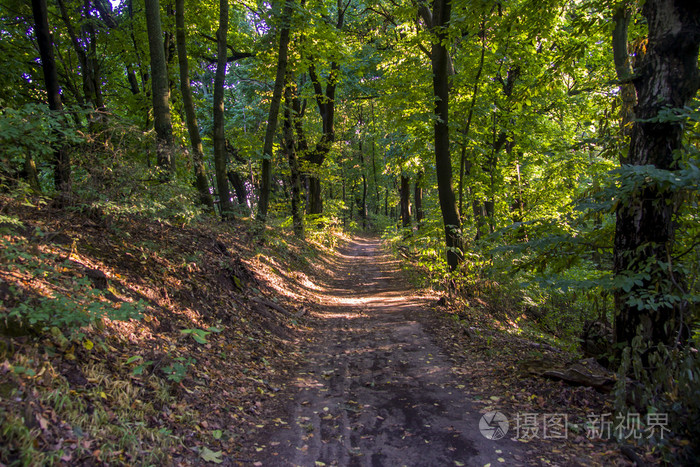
(177, 370)
(33, 131)
(200, 335)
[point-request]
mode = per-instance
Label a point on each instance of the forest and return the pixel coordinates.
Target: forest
(178, 179)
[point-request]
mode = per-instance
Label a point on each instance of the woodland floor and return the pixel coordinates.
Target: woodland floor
(306, 356)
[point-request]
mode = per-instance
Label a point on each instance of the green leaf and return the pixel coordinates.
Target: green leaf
(210, 456)
(199, 338)
(133, 359)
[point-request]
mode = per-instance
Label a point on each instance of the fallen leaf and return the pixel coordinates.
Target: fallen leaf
(210, 456)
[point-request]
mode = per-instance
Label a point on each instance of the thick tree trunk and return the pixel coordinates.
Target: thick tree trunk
(160, 92)
(61, 157)
(225, 205)
(266, 173)
(404, 202)
(315, 201)
(443, 162)
(200, 172)
(667, 76)
(290, 149)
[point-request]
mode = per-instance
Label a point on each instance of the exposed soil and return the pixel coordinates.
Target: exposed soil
(375, 388)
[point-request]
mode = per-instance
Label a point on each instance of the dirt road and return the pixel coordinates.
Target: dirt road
(376, 390)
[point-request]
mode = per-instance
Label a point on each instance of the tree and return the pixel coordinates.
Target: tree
(439, 59)
(325, 101)
(290, 148)
(418, 199)
(188, 103)
(666, 77)
(266, 175)
(61, 157)
(86, 50)
(404, 202)
(160, 91)
(220, 158)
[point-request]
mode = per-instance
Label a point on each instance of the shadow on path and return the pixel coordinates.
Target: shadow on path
(376, 390)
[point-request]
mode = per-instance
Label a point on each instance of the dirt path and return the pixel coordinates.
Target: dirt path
(376, 390)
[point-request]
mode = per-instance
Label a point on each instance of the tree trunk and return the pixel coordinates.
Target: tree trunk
(363, 204)
(315, 201)
(465, 134)
(200, 173)
(61, 157)
(86, 50)
(234, 177)
(418, 199)
(290, 149)
(443, 163)
(160, 92)
(374, 164)
(667, 76)
(225, 205)
(266, 174)
(405, 203)
(623, 69)
(325, 101)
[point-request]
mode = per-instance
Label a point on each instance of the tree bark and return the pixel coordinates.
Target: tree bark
(667, 76)
(61, 157)
(405, 203)
(266, 173)
(623, 69)
(443, 162)
(418, 199)
(290, 149)
(237, 181)
(200, 173)
(313, 189)
(160, 92)
(225, 205)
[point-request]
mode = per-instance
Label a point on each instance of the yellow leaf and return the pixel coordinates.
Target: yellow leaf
(88, 344)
